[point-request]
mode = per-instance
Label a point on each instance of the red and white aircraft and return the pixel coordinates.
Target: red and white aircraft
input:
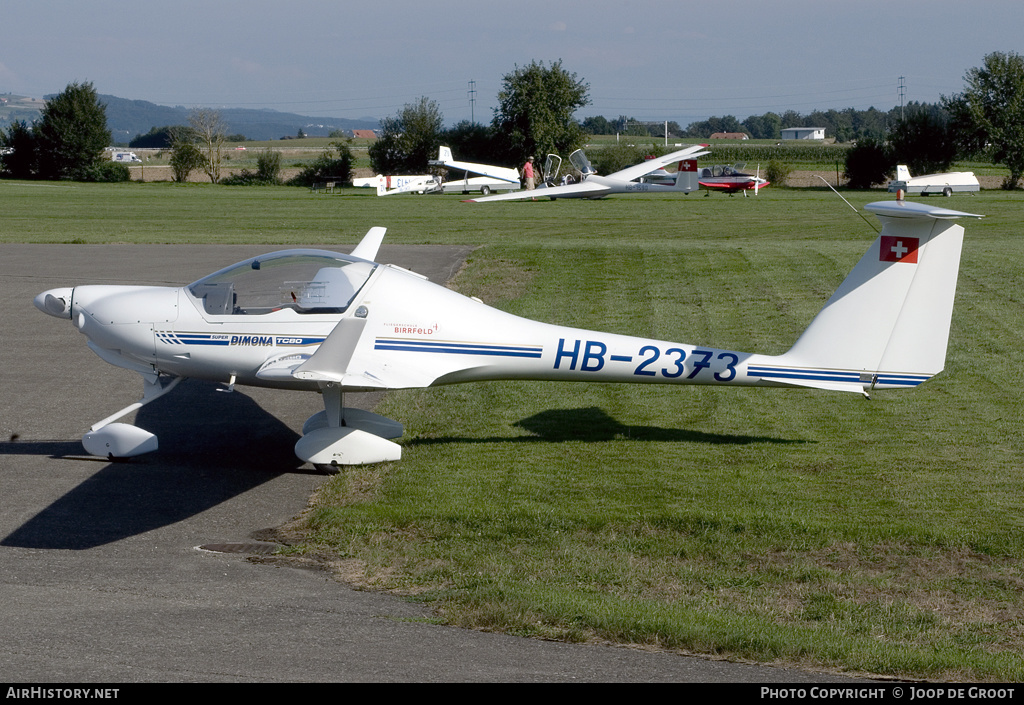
(730, 179)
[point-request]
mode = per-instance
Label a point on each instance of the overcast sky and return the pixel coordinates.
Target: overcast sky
(649, 59)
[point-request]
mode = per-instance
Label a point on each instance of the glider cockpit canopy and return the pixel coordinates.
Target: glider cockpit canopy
(307, 281)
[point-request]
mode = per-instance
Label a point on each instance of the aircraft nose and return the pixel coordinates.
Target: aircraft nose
(55, 302)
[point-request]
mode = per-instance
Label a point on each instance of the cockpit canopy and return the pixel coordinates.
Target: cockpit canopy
(307, 281)
(579, 160)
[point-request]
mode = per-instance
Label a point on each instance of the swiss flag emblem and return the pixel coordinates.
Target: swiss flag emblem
(896, 248)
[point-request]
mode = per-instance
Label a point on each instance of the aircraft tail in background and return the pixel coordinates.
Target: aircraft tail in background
(686, 176)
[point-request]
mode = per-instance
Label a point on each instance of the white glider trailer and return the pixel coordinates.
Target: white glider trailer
(947, 184)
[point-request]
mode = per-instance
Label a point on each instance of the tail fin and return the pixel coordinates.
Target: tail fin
(686, 176)
(444, 154)
(887, 325)
(902, 172)
(382, 187)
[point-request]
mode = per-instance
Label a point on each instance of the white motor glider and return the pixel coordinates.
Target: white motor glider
(593, 185)
(320, 321)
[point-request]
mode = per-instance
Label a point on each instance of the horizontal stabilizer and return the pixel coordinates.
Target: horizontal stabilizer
(913, 209)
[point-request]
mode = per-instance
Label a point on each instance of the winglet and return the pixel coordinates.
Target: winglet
(368, 246)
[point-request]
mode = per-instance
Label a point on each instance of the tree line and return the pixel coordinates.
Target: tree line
(534, 117)
(841, 125)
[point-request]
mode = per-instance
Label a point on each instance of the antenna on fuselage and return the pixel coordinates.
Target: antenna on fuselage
(863, 217)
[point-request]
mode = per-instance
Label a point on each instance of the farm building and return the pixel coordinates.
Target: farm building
(803, 133)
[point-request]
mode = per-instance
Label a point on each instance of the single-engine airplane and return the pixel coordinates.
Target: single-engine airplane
(319, 321)
(593, 185)
(722, 177)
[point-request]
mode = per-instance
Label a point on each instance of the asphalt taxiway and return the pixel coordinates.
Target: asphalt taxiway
(101, 577)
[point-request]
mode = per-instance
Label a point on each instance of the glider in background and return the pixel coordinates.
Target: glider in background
(593, 185)
(489, 178)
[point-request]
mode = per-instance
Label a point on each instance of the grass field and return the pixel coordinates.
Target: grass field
(790, 526)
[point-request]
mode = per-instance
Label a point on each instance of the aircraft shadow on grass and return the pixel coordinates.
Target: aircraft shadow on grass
(214, 447)
(593, 425)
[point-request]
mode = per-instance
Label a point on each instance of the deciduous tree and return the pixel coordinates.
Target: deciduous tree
(923, 142)
(869, 163)
(71, 134)
(409, 140)
(535, 111)
(990, 111)
(185, 156)
(18, 159)
(210, 131)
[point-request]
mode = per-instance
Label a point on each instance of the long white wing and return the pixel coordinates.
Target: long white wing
(494, 172)
(649, 165)
(584, 189)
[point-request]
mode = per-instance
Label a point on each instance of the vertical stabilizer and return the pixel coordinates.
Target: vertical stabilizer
(686, 176)
(902, 172)
(887, 324)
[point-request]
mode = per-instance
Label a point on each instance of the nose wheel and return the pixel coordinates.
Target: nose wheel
(107, 439)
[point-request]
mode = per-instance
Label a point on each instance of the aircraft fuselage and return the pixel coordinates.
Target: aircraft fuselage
(445, 338)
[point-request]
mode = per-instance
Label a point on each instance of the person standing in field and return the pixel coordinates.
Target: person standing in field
(528, 175)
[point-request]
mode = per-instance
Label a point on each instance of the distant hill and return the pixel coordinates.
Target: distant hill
(18, 108)
(128, 118)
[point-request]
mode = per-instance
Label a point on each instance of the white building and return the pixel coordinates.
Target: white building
(803, 133)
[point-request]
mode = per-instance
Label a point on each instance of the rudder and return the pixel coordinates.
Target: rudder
(686, 176)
